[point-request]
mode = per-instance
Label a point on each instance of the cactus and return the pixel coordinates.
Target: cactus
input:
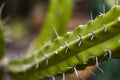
(73, 49)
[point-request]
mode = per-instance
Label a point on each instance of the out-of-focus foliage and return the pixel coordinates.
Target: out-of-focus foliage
(16, 29)
(2, 41)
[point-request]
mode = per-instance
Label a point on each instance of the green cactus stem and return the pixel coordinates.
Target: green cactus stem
(94, 39)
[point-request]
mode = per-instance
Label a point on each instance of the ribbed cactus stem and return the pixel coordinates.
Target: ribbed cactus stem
(77, 47)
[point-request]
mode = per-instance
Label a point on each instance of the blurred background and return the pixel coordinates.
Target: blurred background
(23, 20)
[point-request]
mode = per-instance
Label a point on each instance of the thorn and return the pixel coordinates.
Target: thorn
(67, 47)
(37, 62)
(56, 33)
(80, 40)
(97, 65)
(96, 59)
(75, 71)
(109, 53)
(63, 74)
(46, 56)
(92, 35)
(53, 77)
(105, 28)
(91, 16)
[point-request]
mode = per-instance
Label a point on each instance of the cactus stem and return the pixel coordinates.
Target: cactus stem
(47, 57)
(80, 40)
